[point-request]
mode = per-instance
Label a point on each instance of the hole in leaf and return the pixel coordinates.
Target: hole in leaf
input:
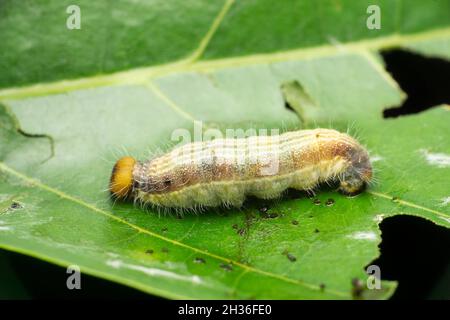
(425, 80)
(414, 252)
(297, 99)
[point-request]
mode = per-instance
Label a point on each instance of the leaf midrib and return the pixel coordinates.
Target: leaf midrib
(193, 64)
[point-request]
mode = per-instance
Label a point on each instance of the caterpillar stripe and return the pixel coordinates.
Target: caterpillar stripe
(225, 171)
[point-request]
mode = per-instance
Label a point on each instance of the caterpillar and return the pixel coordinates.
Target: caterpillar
(225, 171)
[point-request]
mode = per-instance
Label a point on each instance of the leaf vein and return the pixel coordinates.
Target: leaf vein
(212, 30)
(409, 204)
(142, 74)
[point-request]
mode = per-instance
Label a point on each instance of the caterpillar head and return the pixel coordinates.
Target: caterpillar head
(121, 183)
(358, 174)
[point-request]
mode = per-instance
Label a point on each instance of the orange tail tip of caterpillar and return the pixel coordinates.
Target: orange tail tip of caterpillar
(121, 183)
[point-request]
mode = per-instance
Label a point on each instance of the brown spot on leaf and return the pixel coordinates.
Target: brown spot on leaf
(263, 209)
(291, 257)
(226, 266)
(199, 260)
(15, 206)
(357, 288)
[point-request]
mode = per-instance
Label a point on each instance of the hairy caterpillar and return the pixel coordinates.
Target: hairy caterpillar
(225, 171)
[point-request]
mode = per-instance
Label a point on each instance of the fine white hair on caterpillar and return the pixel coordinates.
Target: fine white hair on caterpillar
(225, 171)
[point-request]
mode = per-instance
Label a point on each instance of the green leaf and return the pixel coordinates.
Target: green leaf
(59, 140)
